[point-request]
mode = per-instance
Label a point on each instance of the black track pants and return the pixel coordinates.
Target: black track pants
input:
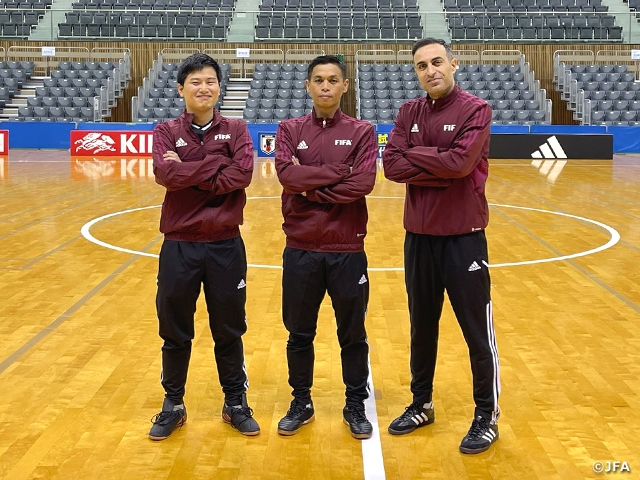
(221, 268)
(457, 264)
(307, 276)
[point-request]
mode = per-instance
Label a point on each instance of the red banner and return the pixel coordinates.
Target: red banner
(111, 143)
(4, 142)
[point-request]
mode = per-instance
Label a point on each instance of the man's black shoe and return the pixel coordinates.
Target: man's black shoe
(300, 413)
(481, 436)
(167, 420)
(359, 425)
(414, 416)
(241, 418)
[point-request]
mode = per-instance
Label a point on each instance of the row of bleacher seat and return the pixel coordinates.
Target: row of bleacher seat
(86, 92)
(17, 65)
(30, 18)
(76, 82)
(275, 84)
(278, 67)
(73, 113)
(12, 30)
(612, 95)
(251, 115)
(26, 4)
(336, 19)
(606, 86)
(530, 20)
(279, 76)
(599, 68)
(525, 5)
(621, 105)
(145, 5)
(605, 77)
(537, 33)
(86, 65)
(66, 30)
(522, 117)
(59, 102)
(342, 5)
(489, 76)
(297, 103)
(516, 104)
(153, 18)
(495, 85)
(598, 117)
(71, 74)
(163, 102)
(278, 93)
(504, 94)
(337, 33)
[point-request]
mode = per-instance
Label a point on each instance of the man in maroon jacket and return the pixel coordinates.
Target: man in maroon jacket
(326, 162)
(438, 148)
(205, 162)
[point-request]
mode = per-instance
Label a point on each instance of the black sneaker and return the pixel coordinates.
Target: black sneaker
(357, 420)
(300, 413)
(241, 418)
(167, 420)
(414, 416)
(480, 437)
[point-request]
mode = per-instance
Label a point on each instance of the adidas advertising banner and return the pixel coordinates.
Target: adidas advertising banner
(544, 146)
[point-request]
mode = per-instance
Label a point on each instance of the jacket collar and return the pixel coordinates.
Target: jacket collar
(442, 102)
(188, 117)
(330, 121)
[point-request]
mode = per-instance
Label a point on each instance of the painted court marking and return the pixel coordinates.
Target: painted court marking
(614, 236)
(372, 448)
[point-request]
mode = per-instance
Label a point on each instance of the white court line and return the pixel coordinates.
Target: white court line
(372, 459)
(615, 236)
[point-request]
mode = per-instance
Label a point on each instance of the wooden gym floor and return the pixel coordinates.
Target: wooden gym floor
(80, 355)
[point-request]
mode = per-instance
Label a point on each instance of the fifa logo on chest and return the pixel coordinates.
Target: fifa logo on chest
(222, 136)
(342, 142)
(449, 128)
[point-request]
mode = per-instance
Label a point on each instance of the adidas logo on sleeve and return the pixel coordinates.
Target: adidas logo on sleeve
(302, 145)
(181, 143)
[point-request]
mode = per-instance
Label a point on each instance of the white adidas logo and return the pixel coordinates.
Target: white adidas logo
(362, 280)
(302, 145)
(473, 267)
(550, 149)
(415, 128)
(241, 284)
(181, 143)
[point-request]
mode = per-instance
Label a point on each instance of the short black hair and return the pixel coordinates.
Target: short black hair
(195, 63)
(324, 60)
(430, 41)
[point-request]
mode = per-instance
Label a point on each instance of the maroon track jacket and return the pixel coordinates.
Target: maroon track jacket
(439, 148)
(205, 192)
(337, 169)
